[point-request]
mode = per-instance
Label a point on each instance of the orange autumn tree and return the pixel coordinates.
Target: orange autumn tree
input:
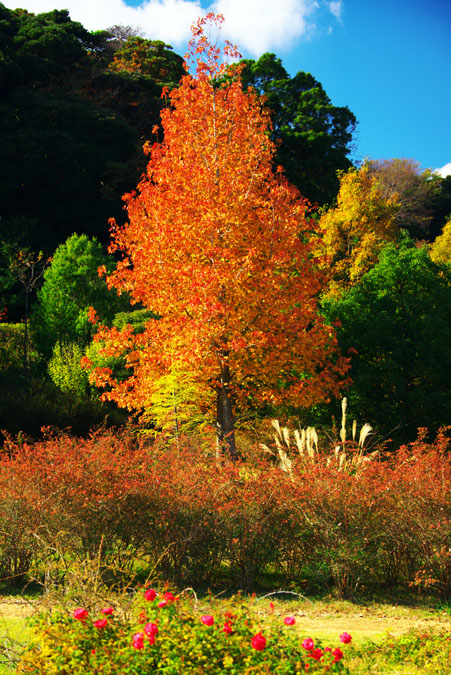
(221, 250)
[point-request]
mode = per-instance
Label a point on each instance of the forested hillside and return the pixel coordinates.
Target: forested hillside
(76, 110)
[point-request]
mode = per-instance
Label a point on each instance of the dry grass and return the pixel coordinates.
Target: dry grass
(346, 454)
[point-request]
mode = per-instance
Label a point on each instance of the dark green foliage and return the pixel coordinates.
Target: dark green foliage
(72, 130)
(71, 158)
(11, 346)
(29, 404)
(440, 206)
(153, 58)
(315, 136)
(397, 324)
(35, 48)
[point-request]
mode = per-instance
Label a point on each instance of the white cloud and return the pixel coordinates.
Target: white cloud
(167, 20)
(336, 8)
(256, 26)
(444, 171)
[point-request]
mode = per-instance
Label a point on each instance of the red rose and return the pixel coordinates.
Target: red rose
(338, 654)
(207, 619)
(100, 623)
(316, 653)
(289, 620)
(81, 614)
(150, 594)
(107, 611)
(228, 627)
(258, 642)
(345, 638)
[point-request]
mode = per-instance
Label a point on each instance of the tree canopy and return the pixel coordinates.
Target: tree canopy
(153, 58)
(412, 188)
(314, 137)
(71, 286)
(441, 248)
(220, 247)
(397, 324)
(356, 228)
(72, 129)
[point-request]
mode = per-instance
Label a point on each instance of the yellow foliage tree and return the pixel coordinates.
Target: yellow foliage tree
(356, 229)
(441, 248)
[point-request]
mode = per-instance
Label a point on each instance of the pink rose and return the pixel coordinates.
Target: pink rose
(150, 594)
(345, 638)
(138, 640)
(338, 654)
(258, 642)
(308, 644)
(289, 620)
(81, 614)
(100, 623)
(151, 629)
(207, 619)
(107, 611)
(163, 603)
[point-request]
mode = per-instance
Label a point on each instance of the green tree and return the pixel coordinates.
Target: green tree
(70, 153)
(72, 130)
(40, 46)
(28, 267)
(397, 324)
(314, 136)
(153, 58)
(65, 369)
(71, 286)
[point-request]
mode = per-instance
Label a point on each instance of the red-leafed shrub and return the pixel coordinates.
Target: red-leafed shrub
(176, 507)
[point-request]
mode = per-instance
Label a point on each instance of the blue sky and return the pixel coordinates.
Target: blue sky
(389, 61)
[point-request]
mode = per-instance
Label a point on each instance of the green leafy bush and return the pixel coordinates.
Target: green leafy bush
(65, 369)
(11, 345)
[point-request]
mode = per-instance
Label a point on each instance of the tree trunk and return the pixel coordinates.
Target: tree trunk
(25, 335)
(225, 422)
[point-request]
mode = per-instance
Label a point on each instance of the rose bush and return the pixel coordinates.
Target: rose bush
(174, 638)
